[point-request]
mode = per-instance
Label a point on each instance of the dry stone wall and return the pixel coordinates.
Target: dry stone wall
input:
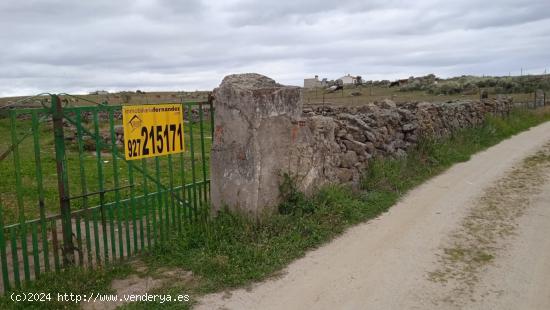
(262, 131)
(336, 143)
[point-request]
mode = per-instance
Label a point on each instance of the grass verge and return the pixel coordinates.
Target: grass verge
(233, 251)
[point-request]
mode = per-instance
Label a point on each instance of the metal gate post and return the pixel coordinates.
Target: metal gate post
(62, 181)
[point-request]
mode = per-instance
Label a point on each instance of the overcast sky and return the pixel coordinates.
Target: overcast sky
(80, 46)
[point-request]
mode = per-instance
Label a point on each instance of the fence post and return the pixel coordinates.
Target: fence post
(62, 182)
(211, 106)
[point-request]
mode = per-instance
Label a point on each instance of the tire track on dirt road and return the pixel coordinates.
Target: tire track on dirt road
(487, 232)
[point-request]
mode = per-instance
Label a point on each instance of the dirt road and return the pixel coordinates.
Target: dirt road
(475, 237)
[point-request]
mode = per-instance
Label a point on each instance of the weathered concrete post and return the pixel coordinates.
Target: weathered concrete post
(253, 120)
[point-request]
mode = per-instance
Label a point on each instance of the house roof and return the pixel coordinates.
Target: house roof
(348, 76)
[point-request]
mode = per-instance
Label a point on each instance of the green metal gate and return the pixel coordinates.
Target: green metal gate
(68, 197)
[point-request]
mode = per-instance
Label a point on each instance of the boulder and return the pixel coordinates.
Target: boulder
(370, 147)
(388, 104)
(356, 146)
(344, 175)
(409, 127)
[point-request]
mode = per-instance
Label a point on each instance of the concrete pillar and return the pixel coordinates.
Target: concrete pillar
(253, 120)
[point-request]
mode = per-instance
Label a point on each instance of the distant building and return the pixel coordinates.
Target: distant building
(314, 82)
(350, 80)
(99, 92)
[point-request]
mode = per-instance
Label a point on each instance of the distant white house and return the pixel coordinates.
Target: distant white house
(314, 82)
(350, 79)
(99, 92)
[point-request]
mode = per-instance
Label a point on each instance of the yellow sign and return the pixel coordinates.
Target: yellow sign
(152, 130)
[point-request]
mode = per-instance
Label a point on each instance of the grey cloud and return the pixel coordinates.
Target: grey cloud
(252, 12)
(62, 45)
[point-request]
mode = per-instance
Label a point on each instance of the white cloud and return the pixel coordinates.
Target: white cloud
(78, 46)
